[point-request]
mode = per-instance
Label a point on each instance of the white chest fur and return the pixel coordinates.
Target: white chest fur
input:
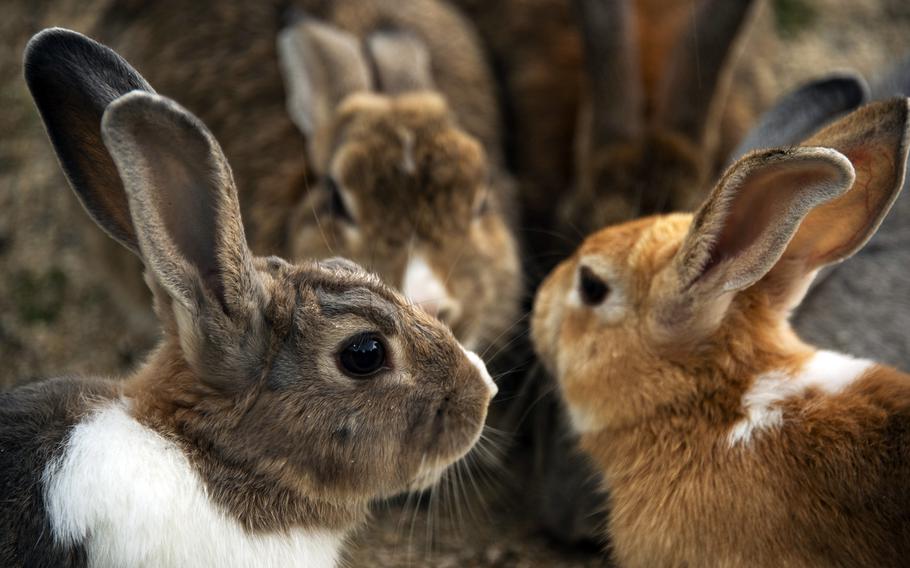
(827, 371)
(133, 499)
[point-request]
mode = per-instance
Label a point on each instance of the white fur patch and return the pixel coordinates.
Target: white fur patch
(582, 420)
(133, 499)
(422, 287)
(827, 371)
(478, 363)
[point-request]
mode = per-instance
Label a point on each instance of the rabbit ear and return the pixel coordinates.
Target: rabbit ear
(183, 202)
(741, 231)
(799, 114)
(401, 62)
(611, 54)
(321, 64)
(698, 70)
(875, 140)
(72, 80)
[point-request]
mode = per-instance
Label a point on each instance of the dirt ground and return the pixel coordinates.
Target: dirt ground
(57, 315)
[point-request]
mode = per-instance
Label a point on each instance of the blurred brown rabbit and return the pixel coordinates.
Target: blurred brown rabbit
(651, 133)
(411, 172)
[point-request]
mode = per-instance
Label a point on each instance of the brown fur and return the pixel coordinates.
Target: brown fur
(656, 379)
(249, 378)
(220, 60)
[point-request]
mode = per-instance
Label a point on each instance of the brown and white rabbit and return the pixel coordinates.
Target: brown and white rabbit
(408, 175)
(282, 399)
(723, 438)
(434, 189)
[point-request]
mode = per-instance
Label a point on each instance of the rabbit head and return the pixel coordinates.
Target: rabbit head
(301, 390)
(399, 186)
(666, 310)
(644, 152)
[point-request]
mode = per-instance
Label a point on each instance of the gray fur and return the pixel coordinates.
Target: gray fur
(800, 113)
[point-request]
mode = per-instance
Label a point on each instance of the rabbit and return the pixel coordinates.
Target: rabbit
(451, 213)
(641, 149)
(283, 397)
(405, 186)
(723, 438)
(638, 149)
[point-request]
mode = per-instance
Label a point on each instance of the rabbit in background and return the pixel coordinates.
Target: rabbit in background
(440, 195)
(715, 427)
(282, 399)
(404, 186)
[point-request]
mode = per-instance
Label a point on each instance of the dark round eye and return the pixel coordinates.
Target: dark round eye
(337, 208)
(592, 289)
(483, 205)
(363, 355)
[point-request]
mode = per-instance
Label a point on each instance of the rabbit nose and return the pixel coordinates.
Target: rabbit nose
(423, 288)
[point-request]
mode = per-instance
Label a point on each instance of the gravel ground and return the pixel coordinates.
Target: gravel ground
(57, 315)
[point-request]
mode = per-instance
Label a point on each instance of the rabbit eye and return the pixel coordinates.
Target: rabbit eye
(337, 208)
(362, 356)
(483, 205)
(592, 289)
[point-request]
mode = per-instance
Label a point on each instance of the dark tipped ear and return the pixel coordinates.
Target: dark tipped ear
(321, 64)
(401, 62)
(741, 231)
(611, 56)
(800, 113)
(72, 80)
(697, 75)
(183, 202)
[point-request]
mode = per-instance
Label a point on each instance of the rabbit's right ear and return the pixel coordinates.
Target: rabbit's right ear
(72, 80)
(802, 112)
(740, 233)
(321, 64)
(401, 61)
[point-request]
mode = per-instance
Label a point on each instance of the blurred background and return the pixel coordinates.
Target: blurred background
(58, 314)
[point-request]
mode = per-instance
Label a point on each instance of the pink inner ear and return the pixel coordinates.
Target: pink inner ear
(834, 230)
(763, 200)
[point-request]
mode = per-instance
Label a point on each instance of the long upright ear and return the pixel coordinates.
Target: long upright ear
(741, 231)
(401, 62)
(611, 55)
(72, 80)
(800, 113)
(321, 64)
(875, 140)
(697, 75)
(183, 203)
